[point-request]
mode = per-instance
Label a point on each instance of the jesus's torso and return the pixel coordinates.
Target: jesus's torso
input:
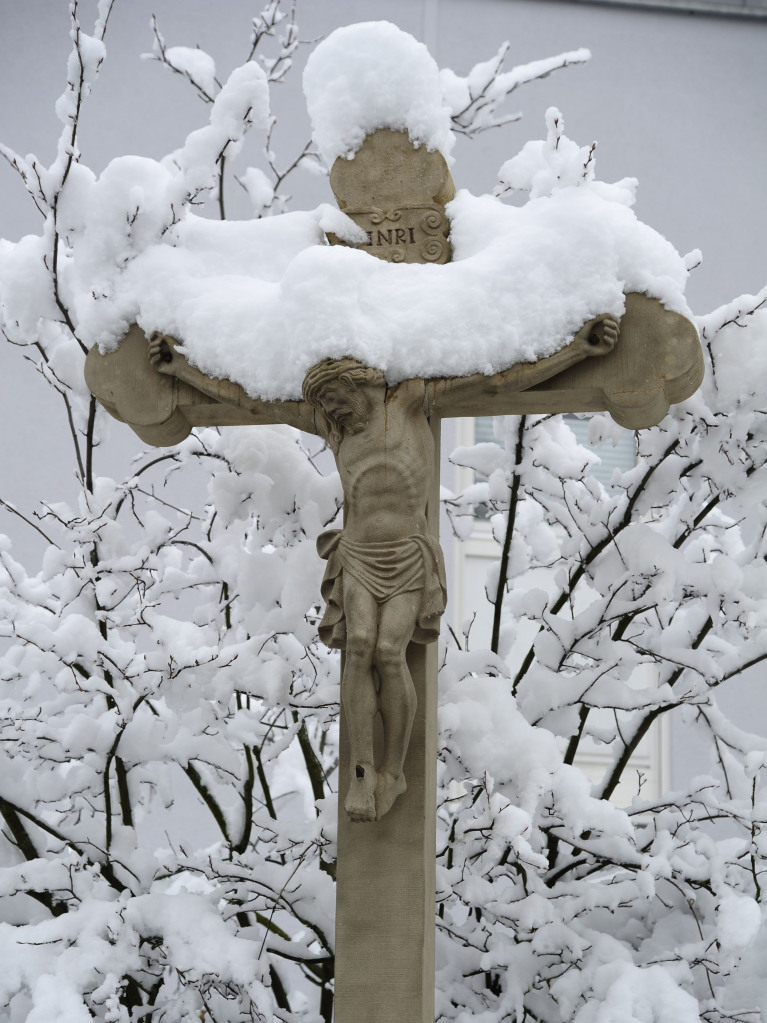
(386, 471)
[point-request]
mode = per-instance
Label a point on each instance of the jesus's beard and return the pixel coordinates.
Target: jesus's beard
(356, 418)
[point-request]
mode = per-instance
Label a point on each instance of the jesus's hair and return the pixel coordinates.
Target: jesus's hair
(347, 371)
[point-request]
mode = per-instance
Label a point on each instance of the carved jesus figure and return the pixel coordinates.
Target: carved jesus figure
(384, 584)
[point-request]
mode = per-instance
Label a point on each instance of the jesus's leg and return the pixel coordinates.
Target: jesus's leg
(359, 698)
(397, 699)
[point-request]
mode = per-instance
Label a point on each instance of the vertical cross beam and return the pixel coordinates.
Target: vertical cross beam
(386, 870)
(385, 889)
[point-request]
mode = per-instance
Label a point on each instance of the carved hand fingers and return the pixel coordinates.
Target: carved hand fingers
(161, 350)
(600, 334)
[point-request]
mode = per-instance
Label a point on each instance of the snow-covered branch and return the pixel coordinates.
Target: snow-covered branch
(473, 99)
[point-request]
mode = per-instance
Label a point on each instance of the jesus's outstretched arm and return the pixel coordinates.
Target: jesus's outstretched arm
(487, 395)
(166, 355)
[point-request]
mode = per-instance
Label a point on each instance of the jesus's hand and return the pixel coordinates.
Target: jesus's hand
(599, 334)
(162, 353)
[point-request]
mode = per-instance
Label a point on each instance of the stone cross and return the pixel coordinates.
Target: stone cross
(384, 584)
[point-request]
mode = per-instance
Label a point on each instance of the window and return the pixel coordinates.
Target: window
(470, 608)
(621, 456)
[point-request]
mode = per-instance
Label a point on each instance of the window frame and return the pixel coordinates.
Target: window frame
(654, 759)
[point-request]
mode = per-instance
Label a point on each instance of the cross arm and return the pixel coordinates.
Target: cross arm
(480, 395)
(166, 355)
(155, 390)
(656, 361)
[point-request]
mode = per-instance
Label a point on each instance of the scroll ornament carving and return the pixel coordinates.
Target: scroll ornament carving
(420, 234)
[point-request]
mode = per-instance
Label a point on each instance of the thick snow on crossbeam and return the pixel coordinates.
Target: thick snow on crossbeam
(261, 301)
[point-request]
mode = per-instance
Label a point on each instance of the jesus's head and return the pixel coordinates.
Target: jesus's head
(337, 389)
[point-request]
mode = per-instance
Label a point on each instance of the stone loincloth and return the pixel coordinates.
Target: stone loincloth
(385, 570)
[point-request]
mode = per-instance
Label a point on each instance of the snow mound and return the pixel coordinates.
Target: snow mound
(261, 301)
(374, 75)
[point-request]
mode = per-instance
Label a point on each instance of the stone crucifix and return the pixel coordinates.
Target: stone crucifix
(384, 583)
